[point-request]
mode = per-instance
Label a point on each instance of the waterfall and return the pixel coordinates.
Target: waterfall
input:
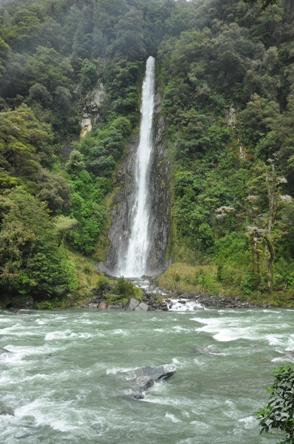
(132, 262)
(140, 223)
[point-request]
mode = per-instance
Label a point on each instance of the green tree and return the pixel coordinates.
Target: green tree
(48, 68)
(129, 42)
(63, 224)
(53, 189)
(263, 208)
(264, 3)
(75, 163)
(88, 75)
(31, 262)
(24, 28)
(258, 120)
(278, 414)
(25, 143)
(4, 48)
(88, 209)
(39, 93)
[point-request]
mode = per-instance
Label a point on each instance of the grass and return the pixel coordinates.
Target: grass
(88, 278)
(186, 278)
(88, 275)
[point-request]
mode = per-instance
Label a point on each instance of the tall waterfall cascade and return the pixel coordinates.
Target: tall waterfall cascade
(132, 262)
(140, 220)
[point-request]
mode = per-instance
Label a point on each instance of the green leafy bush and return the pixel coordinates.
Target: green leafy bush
(127, 289)
(31, 262)
(278, 414)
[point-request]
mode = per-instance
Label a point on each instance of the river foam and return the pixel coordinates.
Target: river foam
(63, 384)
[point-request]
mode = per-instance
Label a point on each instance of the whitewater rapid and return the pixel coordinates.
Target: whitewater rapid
(60, 375)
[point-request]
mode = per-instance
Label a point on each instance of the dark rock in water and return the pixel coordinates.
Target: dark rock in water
(91, 305)
(290, 354)
(6, 412)
(140, 385)
(143, 383)
(145, 377)
(186, 296)
(157, 373)
(206, 350)
(3, 350)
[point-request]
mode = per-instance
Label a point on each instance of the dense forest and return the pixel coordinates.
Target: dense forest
(225, 71)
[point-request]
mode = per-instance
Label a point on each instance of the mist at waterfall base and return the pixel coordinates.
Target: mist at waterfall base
(61, 375)
(132, 263)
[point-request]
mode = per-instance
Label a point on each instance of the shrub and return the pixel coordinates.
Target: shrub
(127, 289)
(279, 412)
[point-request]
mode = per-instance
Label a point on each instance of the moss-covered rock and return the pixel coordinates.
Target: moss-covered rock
(21, 302)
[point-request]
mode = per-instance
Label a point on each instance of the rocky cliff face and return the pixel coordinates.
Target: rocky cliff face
(160, 203)
(92, 104)
(159, 222)
(123, 202)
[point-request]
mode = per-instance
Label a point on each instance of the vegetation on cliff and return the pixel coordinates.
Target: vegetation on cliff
(226, 74)
(228, 99)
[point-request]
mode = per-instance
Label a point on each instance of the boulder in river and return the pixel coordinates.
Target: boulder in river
(136, 305)
(142, 307)
(132, 304)
(157, 373)
(206, 350)
(102, 305)
(4, 411)
(145, 377)
(3, 350)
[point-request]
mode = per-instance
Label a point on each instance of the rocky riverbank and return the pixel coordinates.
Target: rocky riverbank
(154, 298)
(149, 300)
(138, 295)
(219, 302)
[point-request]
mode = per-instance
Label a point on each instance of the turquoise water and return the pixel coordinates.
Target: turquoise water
(62, 375)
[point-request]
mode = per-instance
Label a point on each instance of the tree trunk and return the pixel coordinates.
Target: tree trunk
(271, 189)
(255, 254)
(270, 265)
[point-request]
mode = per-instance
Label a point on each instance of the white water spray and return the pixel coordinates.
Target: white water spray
(133, 262)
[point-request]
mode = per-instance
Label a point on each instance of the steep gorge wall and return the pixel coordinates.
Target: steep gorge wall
(159, 221)
(122, 204)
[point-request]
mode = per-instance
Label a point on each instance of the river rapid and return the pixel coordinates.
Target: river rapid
(61, 375)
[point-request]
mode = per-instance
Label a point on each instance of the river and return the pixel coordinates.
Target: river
(61, 375)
